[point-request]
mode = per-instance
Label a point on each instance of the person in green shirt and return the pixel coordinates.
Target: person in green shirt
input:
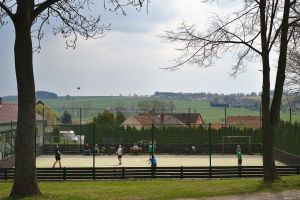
(150, 149)
(240, 158)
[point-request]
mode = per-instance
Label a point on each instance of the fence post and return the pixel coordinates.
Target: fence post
(93, 147)
(11, 137)
(5, 174)
(43, 127)
(209, 148)
(290, 115)
(240, 171)
(152, 134)
(64, 174)
(189, 117)
(298, 169)
(123, 173)
(152, 172)
(225, 115)
(80, 147)
(181, 172)
(94, 173)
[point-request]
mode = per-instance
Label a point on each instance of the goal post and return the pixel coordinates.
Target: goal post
(232, 141)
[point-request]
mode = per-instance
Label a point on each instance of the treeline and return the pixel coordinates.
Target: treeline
(287, 136)
(236, 100)
(203, 96)
(45, 95)
(165, 135)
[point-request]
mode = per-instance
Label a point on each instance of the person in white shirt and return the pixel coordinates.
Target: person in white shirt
(120, 153)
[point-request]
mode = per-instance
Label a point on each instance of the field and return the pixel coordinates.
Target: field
(143, 160)
(156, 189)
(98, 104)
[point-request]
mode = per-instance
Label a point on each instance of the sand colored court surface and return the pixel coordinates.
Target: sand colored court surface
(142, 160)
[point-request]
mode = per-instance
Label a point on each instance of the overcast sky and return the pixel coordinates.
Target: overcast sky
(129, 58)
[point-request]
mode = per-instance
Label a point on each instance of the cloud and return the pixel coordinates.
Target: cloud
(129, 57)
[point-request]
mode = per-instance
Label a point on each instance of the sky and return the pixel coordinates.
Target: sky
(130, 57)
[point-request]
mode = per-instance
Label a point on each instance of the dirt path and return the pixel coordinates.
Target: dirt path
(286, 195)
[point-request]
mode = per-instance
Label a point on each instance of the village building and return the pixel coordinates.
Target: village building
(8, 125)
(244, 121)
(168, 119)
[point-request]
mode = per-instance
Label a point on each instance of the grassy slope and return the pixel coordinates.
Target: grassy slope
(209, 114)
(155, 189)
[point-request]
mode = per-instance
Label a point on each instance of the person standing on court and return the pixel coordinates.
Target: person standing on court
(57, 157)
(151, 149)
(239, 156)
(120, 154)
(153, 163)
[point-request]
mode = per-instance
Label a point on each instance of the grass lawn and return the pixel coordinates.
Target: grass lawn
(155, 189)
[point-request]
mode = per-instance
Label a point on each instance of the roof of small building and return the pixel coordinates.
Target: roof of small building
(187, 117)
(9, 112)
(144, 119)
(243, 119)
(158, 120)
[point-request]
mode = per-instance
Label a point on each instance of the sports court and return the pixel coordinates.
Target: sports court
(143, 160)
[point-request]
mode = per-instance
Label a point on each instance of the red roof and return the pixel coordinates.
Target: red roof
(144, 119)
(245, 121)
(9, 112)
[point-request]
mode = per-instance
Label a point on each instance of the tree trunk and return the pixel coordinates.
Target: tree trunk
(25, 183)
(268, 131)
(270, 173)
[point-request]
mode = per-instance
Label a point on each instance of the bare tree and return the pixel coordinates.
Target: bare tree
(255, 31)
(292, 84)
(71, 19)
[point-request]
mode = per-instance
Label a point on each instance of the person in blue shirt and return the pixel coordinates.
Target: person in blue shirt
(153, 162)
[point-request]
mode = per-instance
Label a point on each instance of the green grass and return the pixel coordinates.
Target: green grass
(96, 104)
(155, 189)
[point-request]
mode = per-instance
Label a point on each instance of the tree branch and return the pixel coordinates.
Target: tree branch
(8, 12)
(42, 7)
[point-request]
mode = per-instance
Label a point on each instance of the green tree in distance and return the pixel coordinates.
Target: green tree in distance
(66, 118)
(105, 118)
(120, 118)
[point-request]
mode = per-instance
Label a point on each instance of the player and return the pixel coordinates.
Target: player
(97, 149)
(240, 158)
(57, 157)
(153, 163)
(238, 148)
(119, 153)
(135, 149)
(150, 150)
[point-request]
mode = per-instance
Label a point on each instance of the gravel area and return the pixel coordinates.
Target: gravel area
(286, 195)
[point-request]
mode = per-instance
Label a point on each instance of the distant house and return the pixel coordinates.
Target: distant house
(8, 124)
(138, 122)
(217, 125)
(9, 113)
(244, 121)
(170, 119)
(145, 121)
(193, 119)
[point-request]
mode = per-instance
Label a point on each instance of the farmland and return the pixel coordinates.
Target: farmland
(92, 105)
